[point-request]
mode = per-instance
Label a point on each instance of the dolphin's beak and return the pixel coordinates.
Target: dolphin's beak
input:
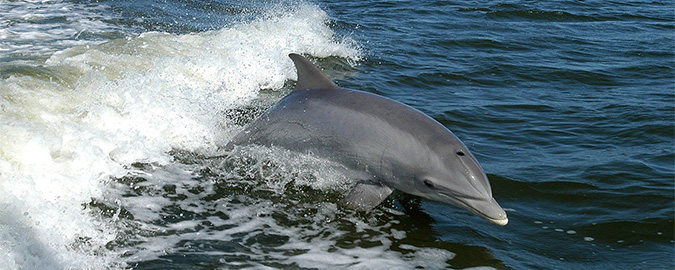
(488, 209)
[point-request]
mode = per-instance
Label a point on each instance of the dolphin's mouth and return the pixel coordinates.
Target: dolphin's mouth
(500, 222)
(486, 209)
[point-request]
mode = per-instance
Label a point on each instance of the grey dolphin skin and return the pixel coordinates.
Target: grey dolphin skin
(390, 145)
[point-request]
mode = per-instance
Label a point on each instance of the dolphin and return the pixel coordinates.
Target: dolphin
(392, 146)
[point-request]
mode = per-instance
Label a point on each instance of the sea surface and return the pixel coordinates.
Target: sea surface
(114, 115)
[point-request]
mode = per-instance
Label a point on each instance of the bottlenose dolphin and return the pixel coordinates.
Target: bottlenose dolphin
(391, 145)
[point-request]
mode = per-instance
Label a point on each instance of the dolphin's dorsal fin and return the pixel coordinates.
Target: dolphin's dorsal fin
(309, 75)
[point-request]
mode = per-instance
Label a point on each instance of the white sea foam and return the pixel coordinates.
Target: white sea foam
(34, 28)
(70, 126)
(310, 244)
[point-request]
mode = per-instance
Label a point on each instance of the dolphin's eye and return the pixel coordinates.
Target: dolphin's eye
(428, 183)
(460, 153)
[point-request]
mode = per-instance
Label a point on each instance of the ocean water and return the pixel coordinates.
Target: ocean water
(113, 116)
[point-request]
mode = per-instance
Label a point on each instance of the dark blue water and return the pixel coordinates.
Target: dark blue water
(568, 105)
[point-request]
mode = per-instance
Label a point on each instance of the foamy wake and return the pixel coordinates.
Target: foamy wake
(36, 28)
(69, 126)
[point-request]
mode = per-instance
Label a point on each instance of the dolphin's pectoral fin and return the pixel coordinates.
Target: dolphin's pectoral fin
(366, 195)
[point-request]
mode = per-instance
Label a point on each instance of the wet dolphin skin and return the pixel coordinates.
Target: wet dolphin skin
(390, 145)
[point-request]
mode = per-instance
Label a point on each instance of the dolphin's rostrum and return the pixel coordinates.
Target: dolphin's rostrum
(390, 145)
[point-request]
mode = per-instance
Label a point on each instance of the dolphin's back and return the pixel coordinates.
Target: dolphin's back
(347, 126)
